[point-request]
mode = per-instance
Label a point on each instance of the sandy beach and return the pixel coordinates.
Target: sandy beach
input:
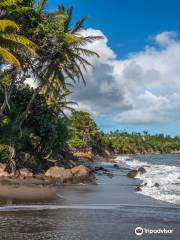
(110, 210)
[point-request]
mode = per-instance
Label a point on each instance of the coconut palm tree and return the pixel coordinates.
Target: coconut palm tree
(63, 55)
(11, 42)
(13, 47)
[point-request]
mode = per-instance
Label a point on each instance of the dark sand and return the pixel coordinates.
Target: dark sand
(27, 190)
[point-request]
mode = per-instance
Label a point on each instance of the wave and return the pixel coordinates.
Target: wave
(161, 182)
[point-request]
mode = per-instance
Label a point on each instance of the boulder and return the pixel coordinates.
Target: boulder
(138, 189)
(2, 167)
(4, 174)
(24, 172)
(156, 185)
(83, 155)
(59, 172)
(80, 171)
(100, 169)
(141, 170)
(116, 166)
(132, 173)
(82, 174)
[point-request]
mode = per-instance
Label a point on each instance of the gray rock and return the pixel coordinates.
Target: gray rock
(141, 170)
(116, 166)
(132, 173)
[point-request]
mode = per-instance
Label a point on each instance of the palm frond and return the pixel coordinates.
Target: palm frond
(9, 3)
(9, 57)
(23, 41)
(8, 24)
(79, 25)
(41, 5)
(87, 52)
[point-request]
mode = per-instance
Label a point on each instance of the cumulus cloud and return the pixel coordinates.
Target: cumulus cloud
(143, 88)
(166, 38)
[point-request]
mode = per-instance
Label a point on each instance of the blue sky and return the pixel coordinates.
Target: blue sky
(126, 23)
(136, 31)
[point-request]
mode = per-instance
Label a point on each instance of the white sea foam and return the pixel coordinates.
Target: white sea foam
(161, 182)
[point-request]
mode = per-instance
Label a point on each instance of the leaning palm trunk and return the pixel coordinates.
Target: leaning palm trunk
(7, 98)
(28, 108)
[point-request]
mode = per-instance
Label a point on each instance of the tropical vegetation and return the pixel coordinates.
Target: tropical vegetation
(38, 122)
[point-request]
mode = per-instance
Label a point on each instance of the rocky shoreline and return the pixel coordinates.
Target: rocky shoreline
(25, 185)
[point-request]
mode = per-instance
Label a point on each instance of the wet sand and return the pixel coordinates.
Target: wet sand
(27, 190)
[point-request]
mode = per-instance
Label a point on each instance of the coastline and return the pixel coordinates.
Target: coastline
(112, 209)
(44, 188)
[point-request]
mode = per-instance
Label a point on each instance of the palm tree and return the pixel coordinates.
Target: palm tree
(11, 42)
(63, 55)
(8, 3)
(13, 46)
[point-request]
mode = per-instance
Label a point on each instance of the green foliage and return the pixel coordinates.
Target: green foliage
(77, 142)
(124, 142)
(84, 130)
(6, 156)
(44, 131)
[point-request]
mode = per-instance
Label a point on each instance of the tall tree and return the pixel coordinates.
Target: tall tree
(62, 53)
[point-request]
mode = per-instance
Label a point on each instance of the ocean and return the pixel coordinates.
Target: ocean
(162, 170)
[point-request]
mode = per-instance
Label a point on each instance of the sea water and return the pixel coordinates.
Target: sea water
(162, 177)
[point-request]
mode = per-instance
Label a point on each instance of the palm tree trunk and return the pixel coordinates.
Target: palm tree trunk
(28, 108)
(7, 98)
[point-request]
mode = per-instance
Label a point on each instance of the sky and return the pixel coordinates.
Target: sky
(135, 84)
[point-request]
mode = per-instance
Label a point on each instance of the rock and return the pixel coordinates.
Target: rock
(141, 170)
(82, 174)
(116, 166)
(156, 185)
(138, 189)
(109, 174)
(80, 171)
(132, 173)
(4, 174)
(103, 171)
(2, 167)
(24, 172)
(100, 169)
(59, 172)
(83, 155)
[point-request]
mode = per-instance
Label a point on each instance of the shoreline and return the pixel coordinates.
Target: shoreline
(42, 188)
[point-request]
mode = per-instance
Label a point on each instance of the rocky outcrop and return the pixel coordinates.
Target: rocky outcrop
(82, 174)
(132, 173)
(24, 172)
(2, 167)
(83, 155)
(59, 172)
(80, 171)
(76, 174)
(3, 172)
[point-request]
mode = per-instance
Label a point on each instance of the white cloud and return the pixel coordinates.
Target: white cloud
(144, 88)
(166, 38)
